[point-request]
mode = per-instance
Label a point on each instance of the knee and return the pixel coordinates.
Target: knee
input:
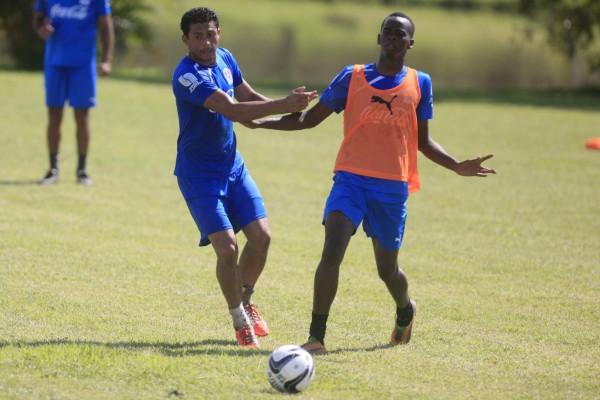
(333, 253)
(392, 273)
(226, 253)
(261, 241)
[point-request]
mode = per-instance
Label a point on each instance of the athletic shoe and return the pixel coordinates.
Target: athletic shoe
(401, 334)
(314, 346)
(258, 323)
(50, 177)
(83, 178)
(246, 338)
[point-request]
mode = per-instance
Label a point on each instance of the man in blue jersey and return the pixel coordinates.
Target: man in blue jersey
(220, 193)
(69, 28)
(386, 111)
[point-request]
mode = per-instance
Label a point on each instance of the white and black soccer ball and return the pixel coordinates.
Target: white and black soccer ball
(290, 369)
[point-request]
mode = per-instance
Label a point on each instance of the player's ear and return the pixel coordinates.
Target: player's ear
(379, 38)
(411, 43)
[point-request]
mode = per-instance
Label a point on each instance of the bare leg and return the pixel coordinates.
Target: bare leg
(82, 121)
(254, 255)
(338, 231)
(53, 133)
(394, 278)
(228, 275)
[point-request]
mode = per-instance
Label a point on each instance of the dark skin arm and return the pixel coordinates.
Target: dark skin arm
(433, 151)
(107, 38)
(295, 121)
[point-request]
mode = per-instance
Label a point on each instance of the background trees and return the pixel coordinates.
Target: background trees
(27, 50)
(573, 26)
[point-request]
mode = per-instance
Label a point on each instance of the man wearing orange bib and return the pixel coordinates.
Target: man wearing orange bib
(386, 107)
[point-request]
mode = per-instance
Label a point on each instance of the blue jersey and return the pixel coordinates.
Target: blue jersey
(206, 146)
(336, 94)
(73, 42)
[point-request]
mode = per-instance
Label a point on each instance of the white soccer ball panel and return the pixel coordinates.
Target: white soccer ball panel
(290, 369)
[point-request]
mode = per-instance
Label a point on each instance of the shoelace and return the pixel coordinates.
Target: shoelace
(253, 312)
(247, 336)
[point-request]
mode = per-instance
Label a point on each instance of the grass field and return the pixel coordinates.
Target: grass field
(105, 295)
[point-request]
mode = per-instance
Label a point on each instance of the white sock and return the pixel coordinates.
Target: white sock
(239, 317)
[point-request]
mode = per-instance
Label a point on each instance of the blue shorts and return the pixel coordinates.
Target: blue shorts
(218, 204)
(383, 214)
(76, 84)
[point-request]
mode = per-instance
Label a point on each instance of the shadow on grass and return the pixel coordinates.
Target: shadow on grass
(204, 347)
(361, 349)
(25, 182)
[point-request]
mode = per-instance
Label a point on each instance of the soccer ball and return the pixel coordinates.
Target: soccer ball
(290, 369)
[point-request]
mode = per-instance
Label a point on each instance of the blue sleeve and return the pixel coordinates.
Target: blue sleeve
(425, 107)
(192, 86)
(40, 6)
(336, 95)
(103, 8)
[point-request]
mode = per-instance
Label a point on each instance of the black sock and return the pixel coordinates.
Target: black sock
(318, 326)
(53, 160)
(81, 162)
(404, 315)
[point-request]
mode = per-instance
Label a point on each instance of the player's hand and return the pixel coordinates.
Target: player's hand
(299, 99)
(312, 95)
(474, 168)
(46, 30)
(104, 68)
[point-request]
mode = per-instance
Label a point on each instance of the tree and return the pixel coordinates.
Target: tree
(573, 26)
(23, 44)
(27, 50)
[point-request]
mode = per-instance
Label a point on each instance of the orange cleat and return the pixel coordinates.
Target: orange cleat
(259, 324)
(246, 337)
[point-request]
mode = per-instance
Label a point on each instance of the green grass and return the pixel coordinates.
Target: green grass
(104, 293)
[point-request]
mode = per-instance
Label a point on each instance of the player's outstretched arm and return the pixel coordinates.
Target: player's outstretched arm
(244, 93)
(220, 102)
(436, 153)
(294, 122)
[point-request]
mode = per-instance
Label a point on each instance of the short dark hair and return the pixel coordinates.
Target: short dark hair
(411, 30)
(197, 15)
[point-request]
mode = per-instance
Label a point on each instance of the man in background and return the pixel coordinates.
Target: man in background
(69, 28)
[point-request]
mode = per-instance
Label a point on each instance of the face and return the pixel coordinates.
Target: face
(202, 42)
(395, 37)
